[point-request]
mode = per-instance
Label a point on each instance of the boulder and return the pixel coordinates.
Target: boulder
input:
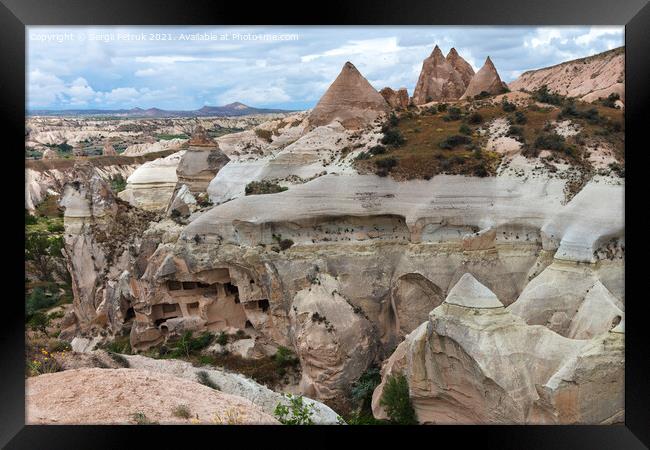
(350, 100)
(396, 99)
(438, 80)
(485, 80)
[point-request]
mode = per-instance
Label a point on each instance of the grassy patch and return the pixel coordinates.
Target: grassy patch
(182, 412)
(263, 187)
(203, 377)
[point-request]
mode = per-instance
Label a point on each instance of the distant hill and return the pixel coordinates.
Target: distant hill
(232, 109)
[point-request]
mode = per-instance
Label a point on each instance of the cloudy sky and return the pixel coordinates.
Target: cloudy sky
(186, 68)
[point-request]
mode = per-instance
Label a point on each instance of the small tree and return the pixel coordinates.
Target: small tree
(295, 413)
(42, 249)
(397, 401)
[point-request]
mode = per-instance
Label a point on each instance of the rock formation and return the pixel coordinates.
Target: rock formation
(50, 154)
(152, 185)
(102, 234)
(485, 80)
(200, 162)
(588, 79)
(438, 80)
(461, 66)
(474, 362)
(350, 100)
(396, 99)
(117, 396)
(332, 338)
(109, 150)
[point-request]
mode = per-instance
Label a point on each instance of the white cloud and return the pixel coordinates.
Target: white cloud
(595, 33)
(254, 95)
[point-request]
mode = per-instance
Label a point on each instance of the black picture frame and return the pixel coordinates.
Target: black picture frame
(634, 14)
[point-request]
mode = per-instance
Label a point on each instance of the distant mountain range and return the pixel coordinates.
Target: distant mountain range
(232, 109)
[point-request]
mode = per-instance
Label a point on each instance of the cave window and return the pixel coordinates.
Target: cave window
(263, 305)
(248, 324)
(189, 285)
(203, 285)
(193, 308)
(168, 308)
(230, 289)
(130, 314)
(237, 300)
(174, 285)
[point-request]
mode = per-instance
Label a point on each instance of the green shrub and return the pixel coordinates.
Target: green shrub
(363, 388)
(40, 298)
(296, 412)
(543, 95)
(392, 137)
(454, 141)
(475, 118)
(285, 244)
(188, 345)
(481, 95)
(263, 187)
(222, 339)
(549, 141)
(610, 101)
(377, 150)
(141, 419)
(442, 107)
(520, 118)
(393, 120)
(29, 219)
(203, 377)
(508, 106)
(453, 113)
(516, 132)
(55, 227)
(464, 129)
(39, 322)
(397, 401)
(265, 135)
(284, 357)
(118, 183)
(182, 412)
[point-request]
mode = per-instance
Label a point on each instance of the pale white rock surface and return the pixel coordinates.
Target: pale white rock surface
(151, 185)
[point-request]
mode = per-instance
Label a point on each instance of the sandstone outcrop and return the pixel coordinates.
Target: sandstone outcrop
(396, 99)
(50, 154)
(332, 338)
(101, 234)
(474, 362)
(350, 100)
(126, 396)
(200, 162)
(461, 66)
(588, 79)
(154, 147)
(485, 80)
(109, 150)
(151, 186)
(438, 80)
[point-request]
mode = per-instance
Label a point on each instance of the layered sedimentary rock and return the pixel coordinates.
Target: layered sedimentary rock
(438, 80)
(154, 147)
(485, 80)
(474, 362)
(350, 100)
(114, 396)
(200, 162)
(396, 99)
(588, 79)
(151, 185)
